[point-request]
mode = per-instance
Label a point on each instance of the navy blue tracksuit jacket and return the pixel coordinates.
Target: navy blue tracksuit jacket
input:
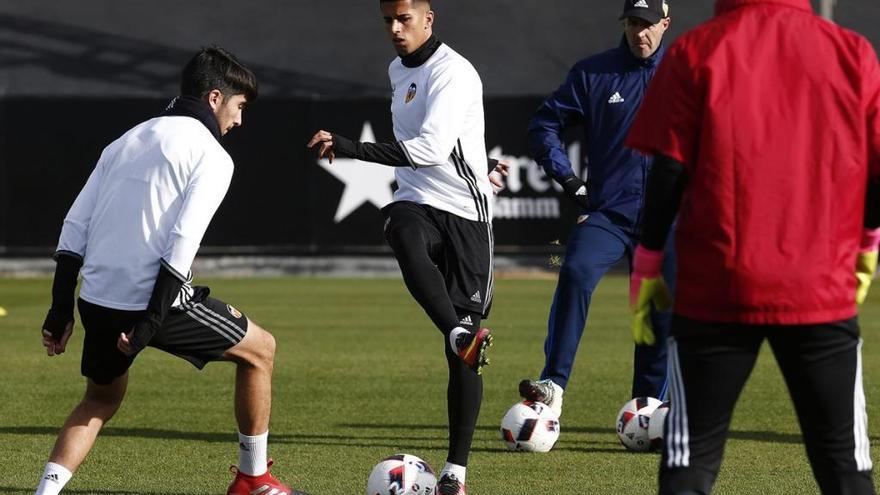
(602, 93)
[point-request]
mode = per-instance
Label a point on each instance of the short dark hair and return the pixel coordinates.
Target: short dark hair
(215, 68)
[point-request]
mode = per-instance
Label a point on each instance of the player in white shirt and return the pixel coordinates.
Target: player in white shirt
(133, 232)
(439, 225)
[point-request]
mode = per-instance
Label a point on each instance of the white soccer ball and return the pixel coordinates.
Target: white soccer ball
(530, 427)
(633, 421)
(655, 427)
(402, 474)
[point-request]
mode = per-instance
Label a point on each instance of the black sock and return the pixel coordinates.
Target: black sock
(464, 395)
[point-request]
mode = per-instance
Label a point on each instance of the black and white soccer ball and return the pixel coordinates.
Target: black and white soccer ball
(655, 427)
(633, 421)
(530, 427)
(402, 474)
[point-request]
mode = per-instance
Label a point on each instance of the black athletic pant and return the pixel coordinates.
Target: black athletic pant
(708, 367)
(442, 258)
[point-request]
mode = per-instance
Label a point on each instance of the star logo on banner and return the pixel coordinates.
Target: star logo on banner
(365, 182)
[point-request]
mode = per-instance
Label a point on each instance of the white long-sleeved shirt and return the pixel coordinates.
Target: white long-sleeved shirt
(437, 112)
(148, 201)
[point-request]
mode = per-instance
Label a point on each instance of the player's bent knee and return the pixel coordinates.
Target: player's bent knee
(108, 396)
(580, 271)
(256, 349)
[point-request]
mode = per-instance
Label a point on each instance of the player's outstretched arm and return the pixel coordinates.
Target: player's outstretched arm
(392, 154)
(332, 144)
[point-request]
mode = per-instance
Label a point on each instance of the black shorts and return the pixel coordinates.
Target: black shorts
(462, 249)
(201, 332)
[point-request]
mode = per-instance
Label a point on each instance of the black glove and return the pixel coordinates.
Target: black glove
(63, 288)
(576, 190)
(56, 322)
(168, 284)
(144, 331)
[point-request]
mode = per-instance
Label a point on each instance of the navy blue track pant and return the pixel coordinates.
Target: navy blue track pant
(594, 246)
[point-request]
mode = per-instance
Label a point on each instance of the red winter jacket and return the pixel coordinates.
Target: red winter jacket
(775, 114)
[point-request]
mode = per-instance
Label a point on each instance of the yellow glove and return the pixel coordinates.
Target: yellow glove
(646, 286)
(866, 262)
(866, 266)
(651, 290)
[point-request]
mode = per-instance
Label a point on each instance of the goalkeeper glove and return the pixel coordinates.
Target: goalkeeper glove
(646, 286)
(866, 263)
(576, 190)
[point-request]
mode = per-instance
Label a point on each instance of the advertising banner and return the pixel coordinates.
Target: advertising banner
(283, 200)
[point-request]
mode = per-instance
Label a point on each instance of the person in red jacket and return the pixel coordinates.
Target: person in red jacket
(765, 127)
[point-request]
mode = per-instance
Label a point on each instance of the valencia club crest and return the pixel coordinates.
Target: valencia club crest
(411, 93)
(234, 312)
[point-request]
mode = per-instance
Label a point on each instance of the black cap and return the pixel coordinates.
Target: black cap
(650, 10)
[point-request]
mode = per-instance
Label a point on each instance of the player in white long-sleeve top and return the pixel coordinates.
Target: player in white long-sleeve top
(440, 222)
(133, 233)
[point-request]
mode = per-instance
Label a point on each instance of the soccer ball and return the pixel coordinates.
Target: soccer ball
(632, 423)
(402, 474)
(530, 427)
(655, 427)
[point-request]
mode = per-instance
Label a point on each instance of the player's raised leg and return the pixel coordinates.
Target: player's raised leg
(414, 238)
(417, 243)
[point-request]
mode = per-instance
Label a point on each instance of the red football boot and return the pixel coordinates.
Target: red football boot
(471, 348)
(264, 484)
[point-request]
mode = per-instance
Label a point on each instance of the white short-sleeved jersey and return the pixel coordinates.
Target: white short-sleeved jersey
(148, 201)
(437, 111)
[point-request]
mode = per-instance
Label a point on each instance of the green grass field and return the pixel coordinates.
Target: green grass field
(360, 375)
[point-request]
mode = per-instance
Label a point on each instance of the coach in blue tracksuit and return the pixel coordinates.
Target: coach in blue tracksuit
(602, 93)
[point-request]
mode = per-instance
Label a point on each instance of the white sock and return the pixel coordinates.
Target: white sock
(252, 453)
(453, 336)
(454, 469)
(55, 476)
